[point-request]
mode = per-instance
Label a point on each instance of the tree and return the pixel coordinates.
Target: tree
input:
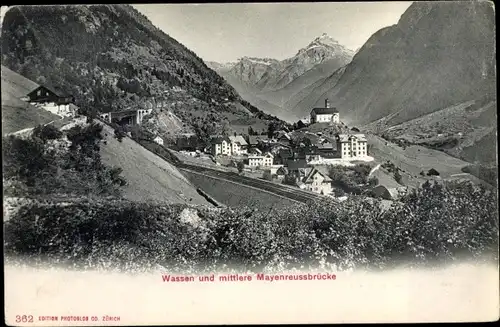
(373, 181)
(397, 176)
(300, 125)
(240, 165)
(267, 175)
(47, 132)
(271, 128)
(432, 172)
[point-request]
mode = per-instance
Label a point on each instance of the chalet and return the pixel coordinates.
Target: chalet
(298, 168)
(238, 145)
(325, 114)
(220, 145)
(327, 148)
(283, 138)
(352, 146)
(281, 173)
(43, 94)
(54, 100)
(158, 140)
(318, 181)
(255, 140)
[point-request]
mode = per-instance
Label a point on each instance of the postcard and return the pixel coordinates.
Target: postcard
(249, 163)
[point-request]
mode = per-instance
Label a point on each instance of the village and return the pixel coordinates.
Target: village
(301, 157)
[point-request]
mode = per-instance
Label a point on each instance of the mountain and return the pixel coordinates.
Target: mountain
(220, 67)
(319, 50)
(111, 57)
(428, 61)
(270, 83)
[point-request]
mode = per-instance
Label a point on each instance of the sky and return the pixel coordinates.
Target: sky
(228, 31)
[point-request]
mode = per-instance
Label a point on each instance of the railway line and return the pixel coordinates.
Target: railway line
(293, 194)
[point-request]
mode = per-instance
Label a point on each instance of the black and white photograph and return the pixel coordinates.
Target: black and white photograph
(228, 163)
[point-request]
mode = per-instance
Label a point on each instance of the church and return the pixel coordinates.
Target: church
(325, 114)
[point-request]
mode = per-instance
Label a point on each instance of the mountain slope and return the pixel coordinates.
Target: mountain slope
(428, 61)
(148, 176)
(111, 57)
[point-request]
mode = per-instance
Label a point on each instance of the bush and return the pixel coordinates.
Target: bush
(240, 165)
(373, 181)
(36, 167)
(119, 134)
(436, 223)
(267, 175)
(432, 172)
(397, 176)
(46, 132)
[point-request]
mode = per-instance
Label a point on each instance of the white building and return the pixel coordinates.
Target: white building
(255, 160)
(238, 145)
(268, 160)
(261, 161)
(325, 114)
(220, 145)
(158, 140)
(352, 146)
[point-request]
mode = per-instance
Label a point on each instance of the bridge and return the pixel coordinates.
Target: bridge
(126, 117)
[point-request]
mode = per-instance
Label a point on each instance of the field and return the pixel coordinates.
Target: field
(149, 177)
(466, 130)
(415, 158)
(238, 195)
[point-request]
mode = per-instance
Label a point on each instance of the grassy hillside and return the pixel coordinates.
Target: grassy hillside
(148, 176)
(466, 131)
(17, 114)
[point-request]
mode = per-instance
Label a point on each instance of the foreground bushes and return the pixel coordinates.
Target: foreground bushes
(50, 161)
(435, 223)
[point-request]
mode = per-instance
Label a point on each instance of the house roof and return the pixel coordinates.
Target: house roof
(347, 137)
(285, 153)
(254, 139)
(58, 91)
(282, 171)
(315, 171)
(219, 139)
(324, 111)
(238, 139)
(283, 134)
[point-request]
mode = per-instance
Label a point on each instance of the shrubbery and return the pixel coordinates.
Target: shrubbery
(436, 222)
(350, 179)
(45, 164)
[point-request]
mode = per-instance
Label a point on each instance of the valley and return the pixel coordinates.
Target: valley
(124, 149)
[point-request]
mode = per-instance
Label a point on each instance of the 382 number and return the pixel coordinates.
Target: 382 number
(24, 318)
